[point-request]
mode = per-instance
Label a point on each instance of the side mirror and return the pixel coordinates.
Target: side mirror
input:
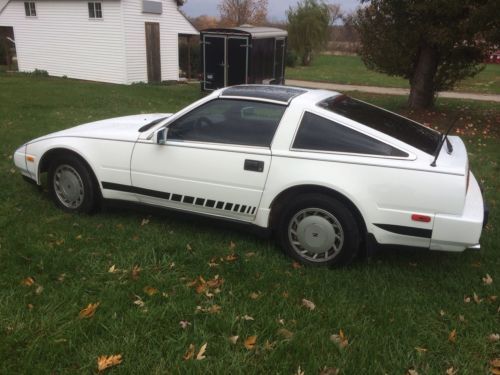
(161, 136)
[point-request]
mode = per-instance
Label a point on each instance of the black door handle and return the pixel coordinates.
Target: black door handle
(254, 165)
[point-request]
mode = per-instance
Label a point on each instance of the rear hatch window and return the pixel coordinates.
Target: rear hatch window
(389, 123)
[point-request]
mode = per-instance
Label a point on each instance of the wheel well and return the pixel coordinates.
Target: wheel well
(290, 193)
(56, 153)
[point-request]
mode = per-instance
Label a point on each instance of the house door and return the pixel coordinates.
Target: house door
(153, 52)
(279, 61)
(214, 54)
(237, 61)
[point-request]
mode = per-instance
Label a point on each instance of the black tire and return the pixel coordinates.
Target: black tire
(312, 223)
(71, 185)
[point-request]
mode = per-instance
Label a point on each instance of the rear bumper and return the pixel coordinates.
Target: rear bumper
(457, 233)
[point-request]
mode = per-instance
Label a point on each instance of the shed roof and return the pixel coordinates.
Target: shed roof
(256, 32)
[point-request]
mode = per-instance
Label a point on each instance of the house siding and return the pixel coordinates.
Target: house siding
(62, 40)
(172, 23)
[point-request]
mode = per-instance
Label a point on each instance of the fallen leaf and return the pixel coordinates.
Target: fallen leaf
(29, 281)
(487, 280)
(231, 257)
(466, 299)
(189, 248)
(494, 337)
(451, 371)
(308, 304)
(477, 299)
(411, 372)
(250, 342)
(461, 318)
(254, 295)
(340, 339)
(233, 339)
(30, 306)
(299, 372)
(135, 273)
(232, 245)
(144, 222)
(201, 353)
(39, 289)
(495, 366)
(329, 371)
(113, 269)
(420, 350)
(189, 353)
(184, 324)
(452, 337)
(89, 311)
(150, 291)
(250, 254)
(139, 302)
(245, 317)
(105, 361)
(492, 298)
(285, 294)
(285, 333)
(442, 312)
(269, 345)
(61, 277)
(296, 265)
(79, 237)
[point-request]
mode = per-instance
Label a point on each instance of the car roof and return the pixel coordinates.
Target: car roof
(274, 93)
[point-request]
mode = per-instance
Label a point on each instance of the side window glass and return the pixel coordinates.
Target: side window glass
(318, 133)
(240, 122)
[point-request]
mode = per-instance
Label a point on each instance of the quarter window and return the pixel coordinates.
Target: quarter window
(30, 9)
(239, 122)
(318, 133)
(95, 10)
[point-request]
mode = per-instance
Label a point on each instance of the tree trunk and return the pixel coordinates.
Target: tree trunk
(306, 58)
(422, 83)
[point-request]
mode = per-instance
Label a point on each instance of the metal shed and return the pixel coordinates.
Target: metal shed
(242, 55)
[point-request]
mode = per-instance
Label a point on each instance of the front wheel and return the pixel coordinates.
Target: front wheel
(319, 230)
(71, 185)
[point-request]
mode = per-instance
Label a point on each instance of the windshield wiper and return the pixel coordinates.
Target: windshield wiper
(151, 124)
(449, 147)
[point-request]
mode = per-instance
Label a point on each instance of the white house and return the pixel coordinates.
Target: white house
(117, 41)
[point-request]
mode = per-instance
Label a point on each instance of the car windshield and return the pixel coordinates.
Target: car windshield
(389, 123)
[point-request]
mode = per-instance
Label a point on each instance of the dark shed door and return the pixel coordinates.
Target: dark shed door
(215, 62)
(237, 62)
(153, 51)
(279, 62)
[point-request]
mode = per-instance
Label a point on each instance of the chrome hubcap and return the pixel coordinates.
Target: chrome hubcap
(315, 234)
(68, 186)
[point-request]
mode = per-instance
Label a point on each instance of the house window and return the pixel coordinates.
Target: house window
(95, 10)
(30, 9)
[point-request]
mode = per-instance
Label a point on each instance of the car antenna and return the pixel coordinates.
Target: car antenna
(448, 143)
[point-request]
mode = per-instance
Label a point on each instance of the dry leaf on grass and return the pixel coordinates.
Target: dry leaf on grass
(214, 309)
(466, 299)
(39, 289)
(233, 339)
(201, 353)
(420, 350)
(254, 295)
(296, 265)
(232, 245)
(411, 371)
(231, 257)
(245, 317)
(136, 272)
(139, 302)
(340, 339)
(144, 222)
(487, 280)
(329, 371)
(495, 366)
(150, 291)
(250, 342)
(308, 304)
(189, 353)
(112, 269)
(300, 372)
(477, 299)
(29, 281)
(494, 337)
(451, 371)
(89, 311)
(184, 324)
(442, 312)
(107, 361)
(452, 337)
(285, 333)
(188, 247)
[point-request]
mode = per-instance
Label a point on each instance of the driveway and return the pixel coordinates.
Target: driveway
(389, 90)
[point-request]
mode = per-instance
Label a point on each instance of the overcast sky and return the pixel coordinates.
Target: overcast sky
(276, 9)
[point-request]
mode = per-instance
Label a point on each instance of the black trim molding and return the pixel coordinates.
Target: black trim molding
(406, 231)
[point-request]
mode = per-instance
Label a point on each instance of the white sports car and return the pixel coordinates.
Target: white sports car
(325, 172)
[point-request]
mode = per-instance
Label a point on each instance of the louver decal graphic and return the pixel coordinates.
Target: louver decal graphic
(184, 199)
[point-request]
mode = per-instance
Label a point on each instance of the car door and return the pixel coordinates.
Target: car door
(215, 159)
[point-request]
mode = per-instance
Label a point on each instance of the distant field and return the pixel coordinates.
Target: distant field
(351, 70)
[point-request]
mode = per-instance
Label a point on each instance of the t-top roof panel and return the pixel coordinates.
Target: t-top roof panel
(276, 93)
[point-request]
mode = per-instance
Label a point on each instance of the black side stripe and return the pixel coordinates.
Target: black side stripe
(185, 199)
(407, 231)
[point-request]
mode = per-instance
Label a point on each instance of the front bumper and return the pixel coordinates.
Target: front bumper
(457, 233)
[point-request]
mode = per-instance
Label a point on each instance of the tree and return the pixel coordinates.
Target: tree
(308, 28)
(433, 44)
(239, 12)
(204, 22)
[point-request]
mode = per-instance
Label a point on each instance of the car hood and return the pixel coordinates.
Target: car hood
(119, 128)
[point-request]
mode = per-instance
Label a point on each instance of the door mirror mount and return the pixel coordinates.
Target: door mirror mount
(161, 136)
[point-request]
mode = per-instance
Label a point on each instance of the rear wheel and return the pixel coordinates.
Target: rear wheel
(318, 230)
(71, 185)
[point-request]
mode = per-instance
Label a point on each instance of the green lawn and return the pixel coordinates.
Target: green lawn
(351, 70)
(396, 309)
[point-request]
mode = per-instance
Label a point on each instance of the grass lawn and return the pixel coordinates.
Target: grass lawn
(351, 70)
(396, 309)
